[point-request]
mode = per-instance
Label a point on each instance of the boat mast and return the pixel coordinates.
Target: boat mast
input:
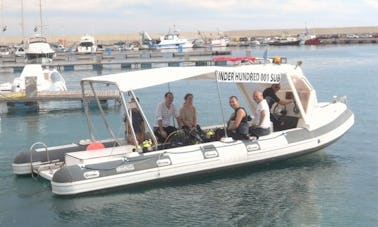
(3, 27)
(2, 14)
(22, 22)
(40, 17)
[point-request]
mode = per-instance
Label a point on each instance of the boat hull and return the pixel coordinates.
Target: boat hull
(285, 43)
(196, 159)
(23, 162)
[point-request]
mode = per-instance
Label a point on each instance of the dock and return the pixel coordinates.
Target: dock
(58, 96)
(71, 61)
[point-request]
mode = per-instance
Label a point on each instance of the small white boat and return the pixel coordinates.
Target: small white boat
(46, 79)
(4, 50)
(87, 44)
(172, 40)
(19, 51)
(34, 78)
(310, 126)
(220, 42)
(39, 50)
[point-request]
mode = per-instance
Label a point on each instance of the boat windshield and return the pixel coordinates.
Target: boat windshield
(86, 44)
(55, 77)
(4, 48)
(170, 37)
(303, 88)
(37, 40)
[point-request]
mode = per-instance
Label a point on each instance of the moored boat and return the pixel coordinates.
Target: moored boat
(287, 41)
(220, 42)
(87, 44)
(39, 50)
(307, 126)
(313, 41)
(34, 78)
(172, 40)
(4, 50)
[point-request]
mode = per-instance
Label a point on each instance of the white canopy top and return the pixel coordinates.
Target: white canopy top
(247, 77)
(134, 80)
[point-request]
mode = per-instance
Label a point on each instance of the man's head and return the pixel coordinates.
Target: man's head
(257, 96)
(234, 102)
(168, 97)
(276, 87)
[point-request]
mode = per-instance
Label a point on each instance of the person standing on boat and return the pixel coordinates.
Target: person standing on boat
(271, 97)
(188, 114)
(237, 125)
(137, 122)
(165, 112)
(261, 120)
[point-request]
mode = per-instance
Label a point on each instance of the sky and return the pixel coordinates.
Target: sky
(75, 17)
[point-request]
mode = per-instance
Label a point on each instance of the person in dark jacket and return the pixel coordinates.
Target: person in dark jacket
(237, 125)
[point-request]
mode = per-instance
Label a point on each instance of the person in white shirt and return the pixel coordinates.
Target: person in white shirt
(164, 117)
(261, 121)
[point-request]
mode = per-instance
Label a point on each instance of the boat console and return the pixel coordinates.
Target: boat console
(285, 116)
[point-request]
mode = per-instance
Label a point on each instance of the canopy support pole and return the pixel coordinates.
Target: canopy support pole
(220, 104)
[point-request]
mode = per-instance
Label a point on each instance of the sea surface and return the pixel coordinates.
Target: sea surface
(336, 186)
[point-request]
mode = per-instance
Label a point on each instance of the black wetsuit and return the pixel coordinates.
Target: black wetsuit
(271, 98)
(241, 131)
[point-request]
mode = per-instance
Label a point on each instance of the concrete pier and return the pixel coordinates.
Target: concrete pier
(56, 96)
(69, 61)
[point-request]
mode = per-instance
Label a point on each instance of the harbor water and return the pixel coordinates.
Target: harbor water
(336, 186)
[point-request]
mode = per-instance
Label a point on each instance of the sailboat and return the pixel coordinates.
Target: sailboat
(38, 49)
(37, 53)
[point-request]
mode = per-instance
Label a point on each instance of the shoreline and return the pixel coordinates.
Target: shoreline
(232, 34)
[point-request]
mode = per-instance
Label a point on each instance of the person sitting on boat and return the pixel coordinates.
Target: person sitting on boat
(271, 97)
(188, 117)
(137, 122)
(237, 125)
(165, 111)
(188, 114)
(261, 121)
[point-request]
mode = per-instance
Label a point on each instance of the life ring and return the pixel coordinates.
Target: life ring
(95, 146)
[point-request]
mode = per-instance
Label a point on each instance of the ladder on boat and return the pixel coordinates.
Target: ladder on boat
(47, 168)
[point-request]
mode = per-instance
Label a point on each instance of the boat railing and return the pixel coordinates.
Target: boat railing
(32, 148)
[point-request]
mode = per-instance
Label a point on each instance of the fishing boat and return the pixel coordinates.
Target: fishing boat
(172, 40)
(285, 41)
(308, 38)
(307, 126)
(220, 42)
